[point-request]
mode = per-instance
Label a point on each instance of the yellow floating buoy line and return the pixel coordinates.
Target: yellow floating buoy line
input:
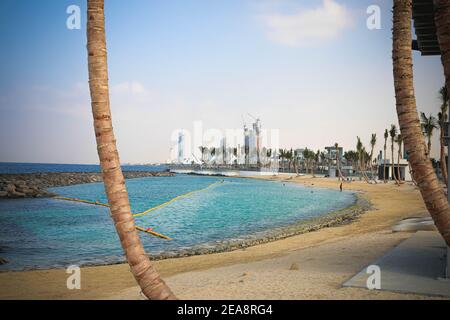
(175, 199)
(140, 214)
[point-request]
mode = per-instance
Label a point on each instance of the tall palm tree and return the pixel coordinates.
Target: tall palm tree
(373, 142)
(361, 150)
(442, 22)
(442, 117)
(386, 136)
(322, 160)
(146, 276)
(393, 134)
(428, 125)
(432, 192)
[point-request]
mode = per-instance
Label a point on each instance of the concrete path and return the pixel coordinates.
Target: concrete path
(417, 265)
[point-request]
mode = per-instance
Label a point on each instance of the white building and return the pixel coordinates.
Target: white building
(401, 170)
(252, 143)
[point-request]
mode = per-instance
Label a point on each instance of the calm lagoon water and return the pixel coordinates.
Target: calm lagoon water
(48, 233)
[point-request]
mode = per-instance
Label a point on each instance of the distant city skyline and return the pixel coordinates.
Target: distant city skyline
(311, 69)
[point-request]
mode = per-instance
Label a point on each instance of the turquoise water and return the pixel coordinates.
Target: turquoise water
(47, 233)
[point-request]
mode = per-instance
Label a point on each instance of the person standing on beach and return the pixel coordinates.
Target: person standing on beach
(340, 186)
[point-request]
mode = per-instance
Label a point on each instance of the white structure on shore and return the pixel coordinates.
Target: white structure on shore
(400, 171)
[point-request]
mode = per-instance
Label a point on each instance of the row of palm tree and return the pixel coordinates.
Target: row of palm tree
(431, 123)
(361, 160)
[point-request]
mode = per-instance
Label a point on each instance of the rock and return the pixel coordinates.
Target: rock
(16, 194)
(3, 261)
(10, 188)
(294, 266)
(35, 184)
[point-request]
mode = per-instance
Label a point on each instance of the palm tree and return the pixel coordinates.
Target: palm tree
(307, 157)
(352, 157)
(361, 158)
(442, 22)
(317, 159)
(428, 125)
(146, 276)
(386, 136)
(281, 155)
(322, 160)
(432, 192)
(373, 142)
(289, 157)
(393, 134)
(442, 117)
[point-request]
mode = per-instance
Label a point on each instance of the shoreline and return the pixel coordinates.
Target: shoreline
(387, 208)
(326, 220)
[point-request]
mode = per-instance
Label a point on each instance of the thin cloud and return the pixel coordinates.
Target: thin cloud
(308, 26)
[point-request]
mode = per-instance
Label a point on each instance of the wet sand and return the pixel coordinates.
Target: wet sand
(325, 258)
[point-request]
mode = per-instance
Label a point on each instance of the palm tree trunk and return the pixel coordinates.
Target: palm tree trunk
(411, 173)
(443, 162)
(363, 171)
(432, 192)
(442, 21)
(148, 279)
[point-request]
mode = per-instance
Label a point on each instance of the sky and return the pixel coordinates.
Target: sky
(311, 69)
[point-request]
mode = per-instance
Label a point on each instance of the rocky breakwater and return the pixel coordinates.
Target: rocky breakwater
(34, 185)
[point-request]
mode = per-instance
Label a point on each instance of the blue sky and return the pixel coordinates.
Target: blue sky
(173, 62)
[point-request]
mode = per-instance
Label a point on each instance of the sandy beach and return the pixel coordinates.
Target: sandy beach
(322, 260)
